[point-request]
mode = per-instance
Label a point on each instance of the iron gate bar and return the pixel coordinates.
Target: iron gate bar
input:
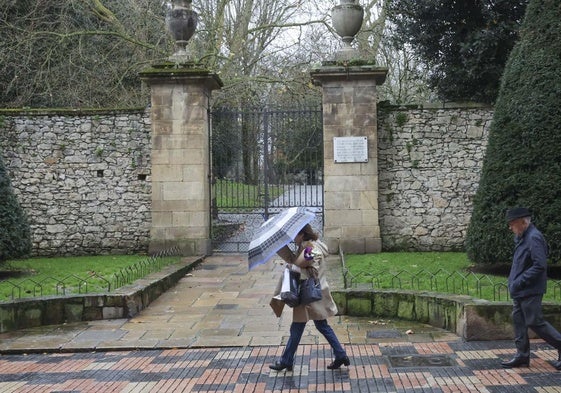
(266, 164)
(264, 160)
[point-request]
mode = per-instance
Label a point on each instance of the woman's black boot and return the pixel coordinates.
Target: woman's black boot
(339, 362)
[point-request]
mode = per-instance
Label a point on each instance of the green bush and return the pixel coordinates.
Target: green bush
(521, 166)
(15, 235)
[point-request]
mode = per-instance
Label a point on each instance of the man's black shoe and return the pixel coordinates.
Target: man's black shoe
(557, 364)
(517, 362)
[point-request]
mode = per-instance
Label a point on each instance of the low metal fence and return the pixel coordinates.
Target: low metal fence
(90, 283)
(472, 284)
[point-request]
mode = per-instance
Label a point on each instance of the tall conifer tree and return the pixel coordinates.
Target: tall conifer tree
(522, 165)
(15, 235)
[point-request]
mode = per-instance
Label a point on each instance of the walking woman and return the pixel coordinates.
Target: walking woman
(310, 258)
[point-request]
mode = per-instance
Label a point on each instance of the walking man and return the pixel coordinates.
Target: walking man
(527, 283)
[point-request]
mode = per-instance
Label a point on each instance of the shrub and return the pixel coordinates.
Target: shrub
(521, 166)
(15, 235)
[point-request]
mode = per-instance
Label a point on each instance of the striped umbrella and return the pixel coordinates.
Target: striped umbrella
(277, 232)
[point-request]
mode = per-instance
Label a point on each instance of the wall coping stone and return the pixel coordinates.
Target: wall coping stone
(68, 111)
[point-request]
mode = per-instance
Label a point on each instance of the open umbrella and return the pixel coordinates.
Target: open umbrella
(277, 232)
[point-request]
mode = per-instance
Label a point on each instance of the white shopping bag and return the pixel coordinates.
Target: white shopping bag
(290, 289)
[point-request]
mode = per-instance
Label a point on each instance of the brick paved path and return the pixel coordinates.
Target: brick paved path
(441, 367)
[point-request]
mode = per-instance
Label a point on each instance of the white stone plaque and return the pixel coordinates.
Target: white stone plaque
(350, 149)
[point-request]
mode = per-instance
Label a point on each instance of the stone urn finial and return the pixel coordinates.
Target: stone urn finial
(347, 20)
(181, 22)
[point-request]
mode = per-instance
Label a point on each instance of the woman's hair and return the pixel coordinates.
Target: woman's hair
(308, 233)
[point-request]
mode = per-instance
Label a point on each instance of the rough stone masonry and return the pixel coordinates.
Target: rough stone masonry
(83, 177)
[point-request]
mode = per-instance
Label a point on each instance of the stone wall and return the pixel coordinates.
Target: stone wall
(471, 319)
(83, 177)
(429, 163)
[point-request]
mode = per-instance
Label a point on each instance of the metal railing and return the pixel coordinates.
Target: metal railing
(440, 280)
(92, 282)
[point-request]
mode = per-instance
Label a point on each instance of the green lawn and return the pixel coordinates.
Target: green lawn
(445, 272)
(71, 275)
(230, 194)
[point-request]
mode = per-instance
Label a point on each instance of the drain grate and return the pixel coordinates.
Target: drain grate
(226, 306)
(421, 361)
(390, 333)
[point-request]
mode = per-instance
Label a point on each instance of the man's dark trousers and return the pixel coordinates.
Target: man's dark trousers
(527, 313)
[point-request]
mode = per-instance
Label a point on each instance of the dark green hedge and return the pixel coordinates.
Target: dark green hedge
(15, 235)
(522, 166)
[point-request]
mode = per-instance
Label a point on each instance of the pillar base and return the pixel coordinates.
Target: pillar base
(184, 247)
(353, 246)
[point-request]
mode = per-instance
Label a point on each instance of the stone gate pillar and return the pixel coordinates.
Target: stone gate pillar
(180, 157)
(351, 221)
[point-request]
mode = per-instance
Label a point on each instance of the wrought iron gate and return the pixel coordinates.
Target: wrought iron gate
(263, 160)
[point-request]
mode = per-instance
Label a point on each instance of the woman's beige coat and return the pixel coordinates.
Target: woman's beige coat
(324, 308)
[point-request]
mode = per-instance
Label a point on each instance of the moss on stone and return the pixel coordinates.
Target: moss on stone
(406, 308)
(31, 317)
(174, 70)
(384, 304)
(359, 305)
(7, 320)
(73, 312)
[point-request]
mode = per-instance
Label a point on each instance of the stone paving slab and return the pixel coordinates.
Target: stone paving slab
(215, 332)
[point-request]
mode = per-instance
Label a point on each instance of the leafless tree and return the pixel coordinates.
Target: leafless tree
(88, 53)
(77, 52)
